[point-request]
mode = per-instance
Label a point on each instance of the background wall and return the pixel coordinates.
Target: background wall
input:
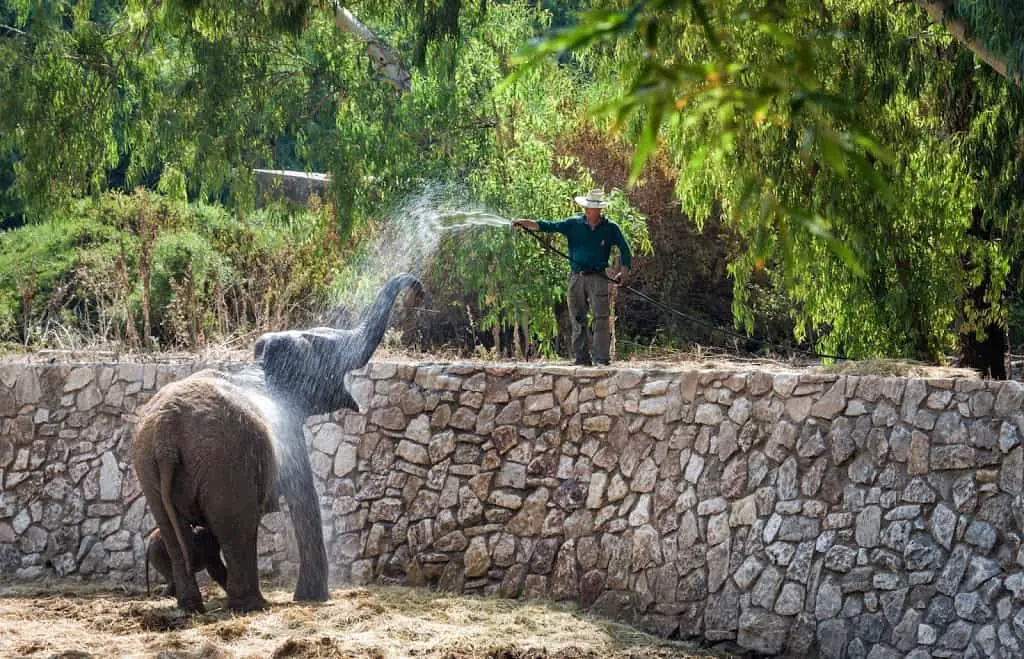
(814, 514)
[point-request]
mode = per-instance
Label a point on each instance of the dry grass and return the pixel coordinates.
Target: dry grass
(898, 368)
(649, 359)
(80, 621)
(99, 356)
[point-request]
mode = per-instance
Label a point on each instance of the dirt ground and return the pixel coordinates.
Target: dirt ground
(379, 622)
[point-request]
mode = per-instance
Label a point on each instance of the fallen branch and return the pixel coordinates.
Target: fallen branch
(387, 63)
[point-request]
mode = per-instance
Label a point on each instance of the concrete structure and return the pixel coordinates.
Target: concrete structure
(296, 187)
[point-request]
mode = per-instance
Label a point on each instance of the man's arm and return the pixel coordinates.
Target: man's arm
(546, 227)
(524, 223)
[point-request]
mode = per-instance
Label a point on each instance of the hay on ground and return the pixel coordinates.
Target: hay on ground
(85, 621)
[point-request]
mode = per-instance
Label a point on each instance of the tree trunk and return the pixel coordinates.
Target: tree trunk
(526, 335)
(148, 231)
(987, 355)
(27, 293)
(384, 59)
(958, 28)
(131, 334)
(147, 326)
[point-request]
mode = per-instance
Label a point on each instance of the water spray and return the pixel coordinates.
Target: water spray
(407, 242)
(455, 220)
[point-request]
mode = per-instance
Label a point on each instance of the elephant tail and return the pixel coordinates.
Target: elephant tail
(166, 468)
(149, 593)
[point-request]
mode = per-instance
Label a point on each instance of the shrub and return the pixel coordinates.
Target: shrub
(143, 269)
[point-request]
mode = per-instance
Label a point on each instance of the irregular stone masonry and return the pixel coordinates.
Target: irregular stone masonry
(805, 514)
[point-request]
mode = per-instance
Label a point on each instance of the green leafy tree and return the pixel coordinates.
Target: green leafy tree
(499, 146)
(196, 94)
(990, 28)
(823, 130)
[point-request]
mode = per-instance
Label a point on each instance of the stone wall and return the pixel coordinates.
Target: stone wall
(802, 513)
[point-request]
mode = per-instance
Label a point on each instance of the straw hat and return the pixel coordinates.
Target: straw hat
(594, 199)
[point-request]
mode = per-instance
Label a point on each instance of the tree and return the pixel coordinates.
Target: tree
(823, 130)
(989, 28)
(195, 94)
(90, 87)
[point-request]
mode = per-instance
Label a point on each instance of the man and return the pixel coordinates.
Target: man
(591, 236)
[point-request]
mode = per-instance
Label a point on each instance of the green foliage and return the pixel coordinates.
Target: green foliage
(57, 98)
(191, 93)
(187, 276)
(826, 132)
(35, 264)
(212, 274)
(853, 149)
(499, 147)
(516, 283)
(188, 96)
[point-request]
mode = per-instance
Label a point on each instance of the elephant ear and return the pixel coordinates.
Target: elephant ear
(330, 344)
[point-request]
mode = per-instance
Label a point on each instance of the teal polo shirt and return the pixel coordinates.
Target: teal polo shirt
(590, 248)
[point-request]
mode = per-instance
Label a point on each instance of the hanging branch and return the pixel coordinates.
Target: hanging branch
(937, 11)
(384, 59)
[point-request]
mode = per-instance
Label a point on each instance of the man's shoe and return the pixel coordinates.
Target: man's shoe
(583, 362)
(603, 362)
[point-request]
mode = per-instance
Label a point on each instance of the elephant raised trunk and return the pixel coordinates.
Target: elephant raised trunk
(370, 330)
(307, 368)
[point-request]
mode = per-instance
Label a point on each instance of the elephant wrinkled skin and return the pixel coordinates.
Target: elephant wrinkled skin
(215, 449)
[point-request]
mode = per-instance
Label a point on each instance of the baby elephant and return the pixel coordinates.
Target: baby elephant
(205, 554)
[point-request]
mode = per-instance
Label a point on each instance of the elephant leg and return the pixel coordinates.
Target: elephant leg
(183, 580)
(234, 522)
(214, 566)
(243, 579)
(296, 476)
(157, 556)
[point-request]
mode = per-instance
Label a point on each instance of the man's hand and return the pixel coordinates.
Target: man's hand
(620, 277)
(523, 223)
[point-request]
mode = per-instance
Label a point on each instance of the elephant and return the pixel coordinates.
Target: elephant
(205, 555)
(215, 449)
(308, 367)
(203, 453)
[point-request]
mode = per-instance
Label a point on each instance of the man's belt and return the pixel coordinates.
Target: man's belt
(591, 272)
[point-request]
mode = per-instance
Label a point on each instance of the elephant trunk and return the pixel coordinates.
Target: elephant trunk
(368, 334)
(307, 368)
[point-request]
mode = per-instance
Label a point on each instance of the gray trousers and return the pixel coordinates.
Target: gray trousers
(589, 291)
